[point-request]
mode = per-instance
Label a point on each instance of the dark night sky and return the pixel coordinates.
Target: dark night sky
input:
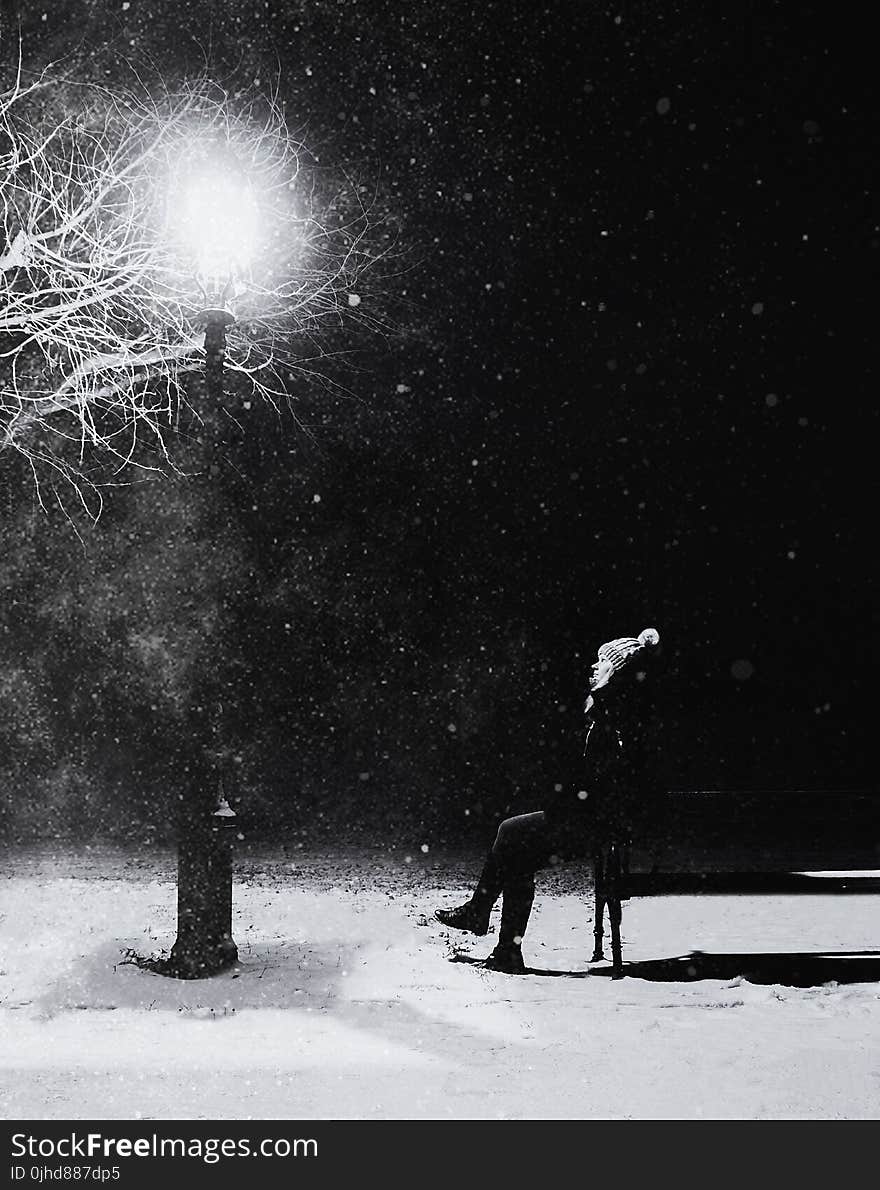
(638, 384)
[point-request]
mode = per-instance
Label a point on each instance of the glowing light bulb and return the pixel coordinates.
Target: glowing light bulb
(218, 223)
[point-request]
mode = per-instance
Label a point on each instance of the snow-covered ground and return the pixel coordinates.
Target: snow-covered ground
(345, 1004)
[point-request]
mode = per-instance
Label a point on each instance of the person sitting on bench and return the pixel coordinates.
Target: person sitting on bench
(620, 749)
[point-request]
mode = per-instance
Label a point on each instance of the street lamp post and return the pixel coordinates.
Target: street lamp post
(204, 944)
(219, 216)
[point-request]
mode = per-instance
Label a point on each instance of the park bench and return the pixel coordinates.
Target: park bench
(701, 843)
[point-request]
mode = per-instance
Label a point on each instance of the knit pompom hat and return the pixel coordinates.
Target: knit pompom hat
(617, 653)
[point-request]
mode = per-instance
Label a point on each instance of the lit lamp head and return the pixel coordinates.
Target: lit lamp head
(219, 222)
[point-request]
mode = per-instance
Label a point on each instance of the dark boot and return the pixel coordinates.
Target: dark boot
(468, 917)
(473, 916)
(507, 959)
(519, 894)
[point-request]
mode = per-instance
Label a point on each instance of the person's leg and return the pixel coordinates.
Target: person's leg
(520, 847)
(473, 915)
(523, 845)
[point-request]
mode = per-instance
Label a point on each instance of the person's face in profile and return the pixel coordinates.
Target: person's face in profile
(600, 674)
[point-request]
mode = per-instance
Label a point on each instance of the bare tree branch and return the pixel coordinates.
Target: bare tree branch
(99, 294)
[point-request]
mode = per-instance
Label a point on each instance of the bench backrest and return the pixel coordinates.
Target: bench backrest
(756, 831)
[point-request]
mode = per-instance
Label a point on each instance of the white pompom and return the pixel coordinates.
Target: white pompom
(649, 636)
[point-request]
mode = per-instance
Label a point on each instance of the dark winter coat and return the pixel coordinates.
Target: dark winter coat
(619, 769)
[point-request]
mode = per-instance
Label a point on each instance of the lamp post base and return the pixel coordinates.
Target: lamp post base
(204, 945)
(195, 960)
